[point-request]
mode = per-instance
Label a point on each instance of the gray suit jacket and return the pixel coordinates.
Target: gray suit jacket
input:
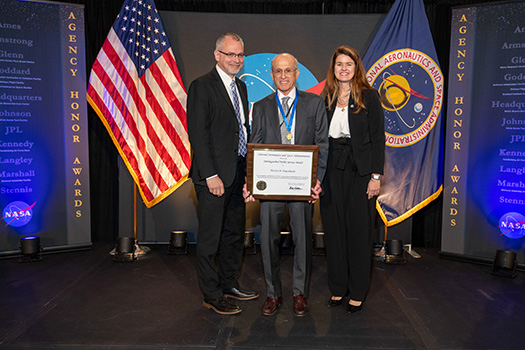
(311, 126)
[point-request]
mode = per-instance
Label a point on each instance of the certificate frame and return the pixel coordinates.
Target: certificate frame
(251, 160)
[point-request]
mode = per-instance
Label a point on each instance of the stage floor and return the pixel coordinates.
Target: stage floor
(84, 300)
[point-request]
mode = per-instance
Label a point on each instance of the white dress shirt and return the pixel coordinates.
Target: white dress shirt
(226, 79)
(292, 95)
(339, 127)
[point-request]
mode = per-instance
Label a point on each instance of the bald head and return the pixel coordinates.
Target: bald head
(284, 72)
(286, 56)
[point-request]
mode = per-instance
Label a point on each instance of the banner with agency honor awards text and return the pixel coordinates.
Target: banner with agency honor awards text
(44, 183)
(484, 194)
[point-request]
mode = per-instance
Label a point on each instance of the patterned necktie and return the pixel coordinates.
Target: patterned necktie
(284, 130)
(286, 107)
(236, 106)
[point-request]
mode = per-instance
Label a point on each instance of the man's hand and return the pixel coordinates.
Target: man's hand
(215, 186)
(247, 195)
(316, 192)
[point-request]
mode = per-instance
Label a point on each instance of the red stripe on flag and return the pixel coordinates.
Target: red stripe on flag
(118, 100)
(179, 110)
(174, 68)
(168, 92)
(158, 113)
(150, 132)
(117, 135)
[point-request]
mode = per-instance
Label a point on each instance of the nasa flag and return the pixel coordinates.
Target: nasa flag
(402, 65)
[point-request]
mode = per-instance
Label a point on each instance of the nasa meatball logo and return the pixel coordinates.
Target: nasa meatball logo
(512, 225)
(17, 213)
(256, 74)
(410, 86)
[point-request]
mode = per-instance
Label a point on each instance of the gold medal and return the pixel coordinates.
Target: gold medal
(289, 136)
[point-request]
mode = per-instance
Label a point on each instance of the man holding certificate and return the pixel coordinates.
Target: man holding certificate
(291, 117)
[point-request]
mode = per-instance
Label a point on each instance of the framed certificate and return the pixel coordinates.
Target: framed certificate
(281, 172)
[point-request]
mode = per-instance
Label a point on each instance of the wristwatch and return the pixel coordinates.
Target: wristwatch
(376, 176)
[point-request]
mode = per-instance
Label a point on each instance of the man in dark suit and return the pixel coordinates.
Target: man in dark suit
(293, 117)
(217, 115)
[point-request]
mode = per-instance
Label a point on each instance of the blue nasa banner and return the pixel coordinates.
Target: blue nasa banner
(484, 208)
(402, 66)
(44, 184)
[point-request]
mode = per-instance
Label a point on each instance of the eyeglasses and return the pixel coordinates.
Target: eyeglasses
(287, 71)
(232, 55)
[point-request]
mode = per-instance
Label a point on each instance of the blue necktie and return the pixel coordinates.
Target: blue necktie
(242, 137)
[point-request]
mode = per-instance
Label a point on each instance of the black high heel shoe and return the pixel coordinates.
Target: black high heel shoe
(334, 302)
(353, 308)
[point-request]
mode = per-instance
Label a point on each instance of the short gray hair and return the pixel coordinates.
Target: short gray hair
(221, 39)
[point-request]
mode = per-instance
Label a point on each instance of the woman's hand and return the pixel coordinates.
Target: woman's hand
(373, 188)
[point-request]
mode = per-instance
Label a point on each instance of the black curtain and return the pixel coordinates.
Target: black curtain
(103, 157)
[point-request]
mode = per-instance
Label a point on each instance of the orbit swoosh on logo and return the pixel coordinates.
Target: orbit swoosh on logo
(316, 89)
(17, 213)
(410, 85)
(512, 225)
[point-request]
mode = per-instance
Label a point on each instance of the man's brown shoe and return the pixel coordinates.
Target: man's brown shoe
(271, 305)
(300, 305)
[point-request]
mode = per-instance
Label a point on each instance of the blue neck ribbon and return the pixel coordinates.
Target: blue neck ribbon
(287, 121)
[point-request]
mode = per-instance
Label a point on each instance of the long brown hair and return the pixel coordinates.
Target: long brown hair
(359, 83)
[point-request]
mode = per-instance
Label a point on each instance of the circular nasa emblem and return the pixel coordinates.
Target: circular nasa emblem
(256, 73)
(410, 86)
(261, 185)
(512, 225)
(17, 213)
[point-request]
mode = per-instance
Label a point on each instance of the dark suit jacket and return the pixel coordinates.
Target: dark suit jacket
(213, 129)
(367, 131)
(311, 126)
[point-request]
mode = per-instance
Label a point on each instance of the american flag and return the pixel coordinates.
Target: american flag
(137, 91)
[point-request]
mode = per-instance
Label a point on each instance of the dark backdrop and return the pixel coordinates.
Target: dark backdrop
(99, 17)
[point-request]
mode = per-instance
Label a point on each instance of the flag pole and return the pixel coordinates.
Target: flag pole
(119, 78)
(381, 252)
(135, 211)
(139, 250)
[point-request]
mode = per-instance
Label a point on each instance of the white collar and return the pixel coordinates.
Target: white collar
(291, 94)
(226, 79)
